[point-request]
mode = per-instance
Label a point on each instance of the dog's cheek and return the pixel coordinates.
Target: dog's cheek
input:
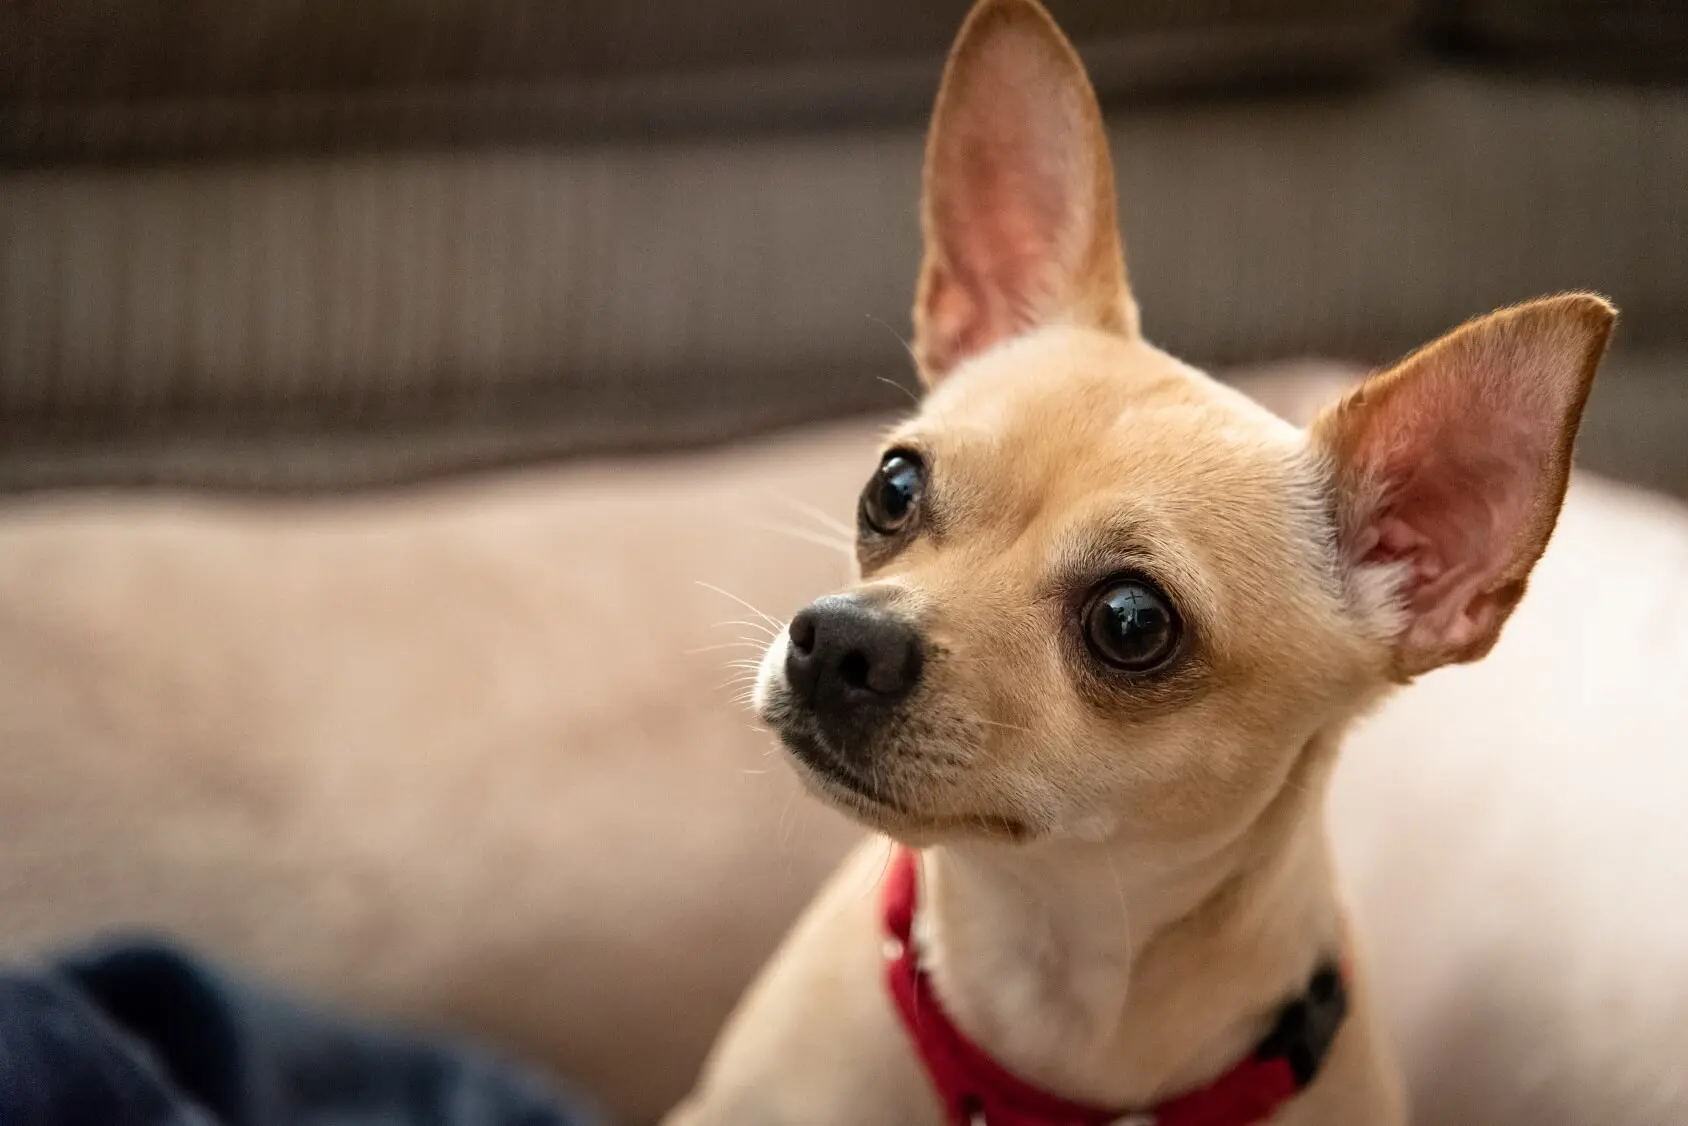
(1155, 782)
(1063, 775)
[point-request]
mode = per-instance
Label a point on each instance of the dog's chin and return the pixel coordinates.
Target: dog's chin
(876, 807)
(825, 776)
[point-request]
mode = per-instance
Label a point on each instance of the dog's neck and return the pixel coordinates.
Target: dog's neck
(1086, 972)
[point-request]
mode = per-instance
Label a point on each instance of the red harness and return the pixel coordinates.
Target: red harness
(978, 1091)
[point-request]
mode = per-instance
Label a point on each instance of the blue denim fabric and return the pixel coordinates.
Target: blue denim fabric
(142, 1034)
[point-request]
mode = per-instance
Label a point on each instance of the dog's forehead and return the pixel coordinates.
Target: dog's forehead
(1067, 412)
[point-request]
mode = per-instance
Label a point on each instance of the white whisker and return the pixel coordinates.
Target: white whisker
(907, 347)
(1124, 912)
(820, 516)
(769, 618)
(742, 643)
(843, 547)
(912, 397)
(772, 633)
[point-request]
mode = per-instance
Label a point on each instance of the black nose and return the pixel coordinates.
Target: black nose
(846, 656)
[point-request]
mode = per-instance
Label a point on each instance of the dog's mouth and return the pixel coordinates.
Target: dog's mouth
(837, 777)
(869, 800)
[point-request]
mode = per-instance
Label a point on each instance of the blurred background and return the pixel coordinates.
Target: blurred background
(380, 378)
(304, 243)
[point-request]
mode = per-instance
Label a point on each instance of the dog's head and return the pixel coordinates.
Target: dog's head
(1102, 594)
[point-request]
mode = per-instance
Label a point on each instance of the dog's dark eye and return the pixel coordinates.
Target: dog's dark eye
(1130, 625)
(891, 497)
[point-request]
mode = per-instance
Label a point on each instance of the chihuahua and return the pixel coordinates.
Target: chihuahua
(1112, 621)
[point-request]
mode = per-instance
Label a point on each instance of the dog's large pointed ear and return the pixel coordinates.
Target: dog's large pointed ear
(1450, 469)
(1018, 210)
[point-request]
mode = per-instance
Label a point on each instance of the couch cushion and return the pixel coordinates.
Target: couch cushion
(130, 77)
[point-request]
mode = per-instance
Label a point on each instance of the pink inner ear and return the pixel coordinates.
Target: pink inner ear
(1001, 239)
(1454, 527)
(1012, 185)
(1457, 459)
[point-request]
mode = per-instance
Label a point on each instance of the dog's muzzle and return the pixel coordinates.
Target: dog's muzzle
(848, 661)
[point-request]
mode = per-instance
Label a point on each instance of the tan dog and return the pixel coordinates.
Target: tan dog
(1114, 619)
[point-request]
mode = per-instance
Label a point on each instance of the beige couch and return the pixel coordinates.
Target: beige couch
(470, 756)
